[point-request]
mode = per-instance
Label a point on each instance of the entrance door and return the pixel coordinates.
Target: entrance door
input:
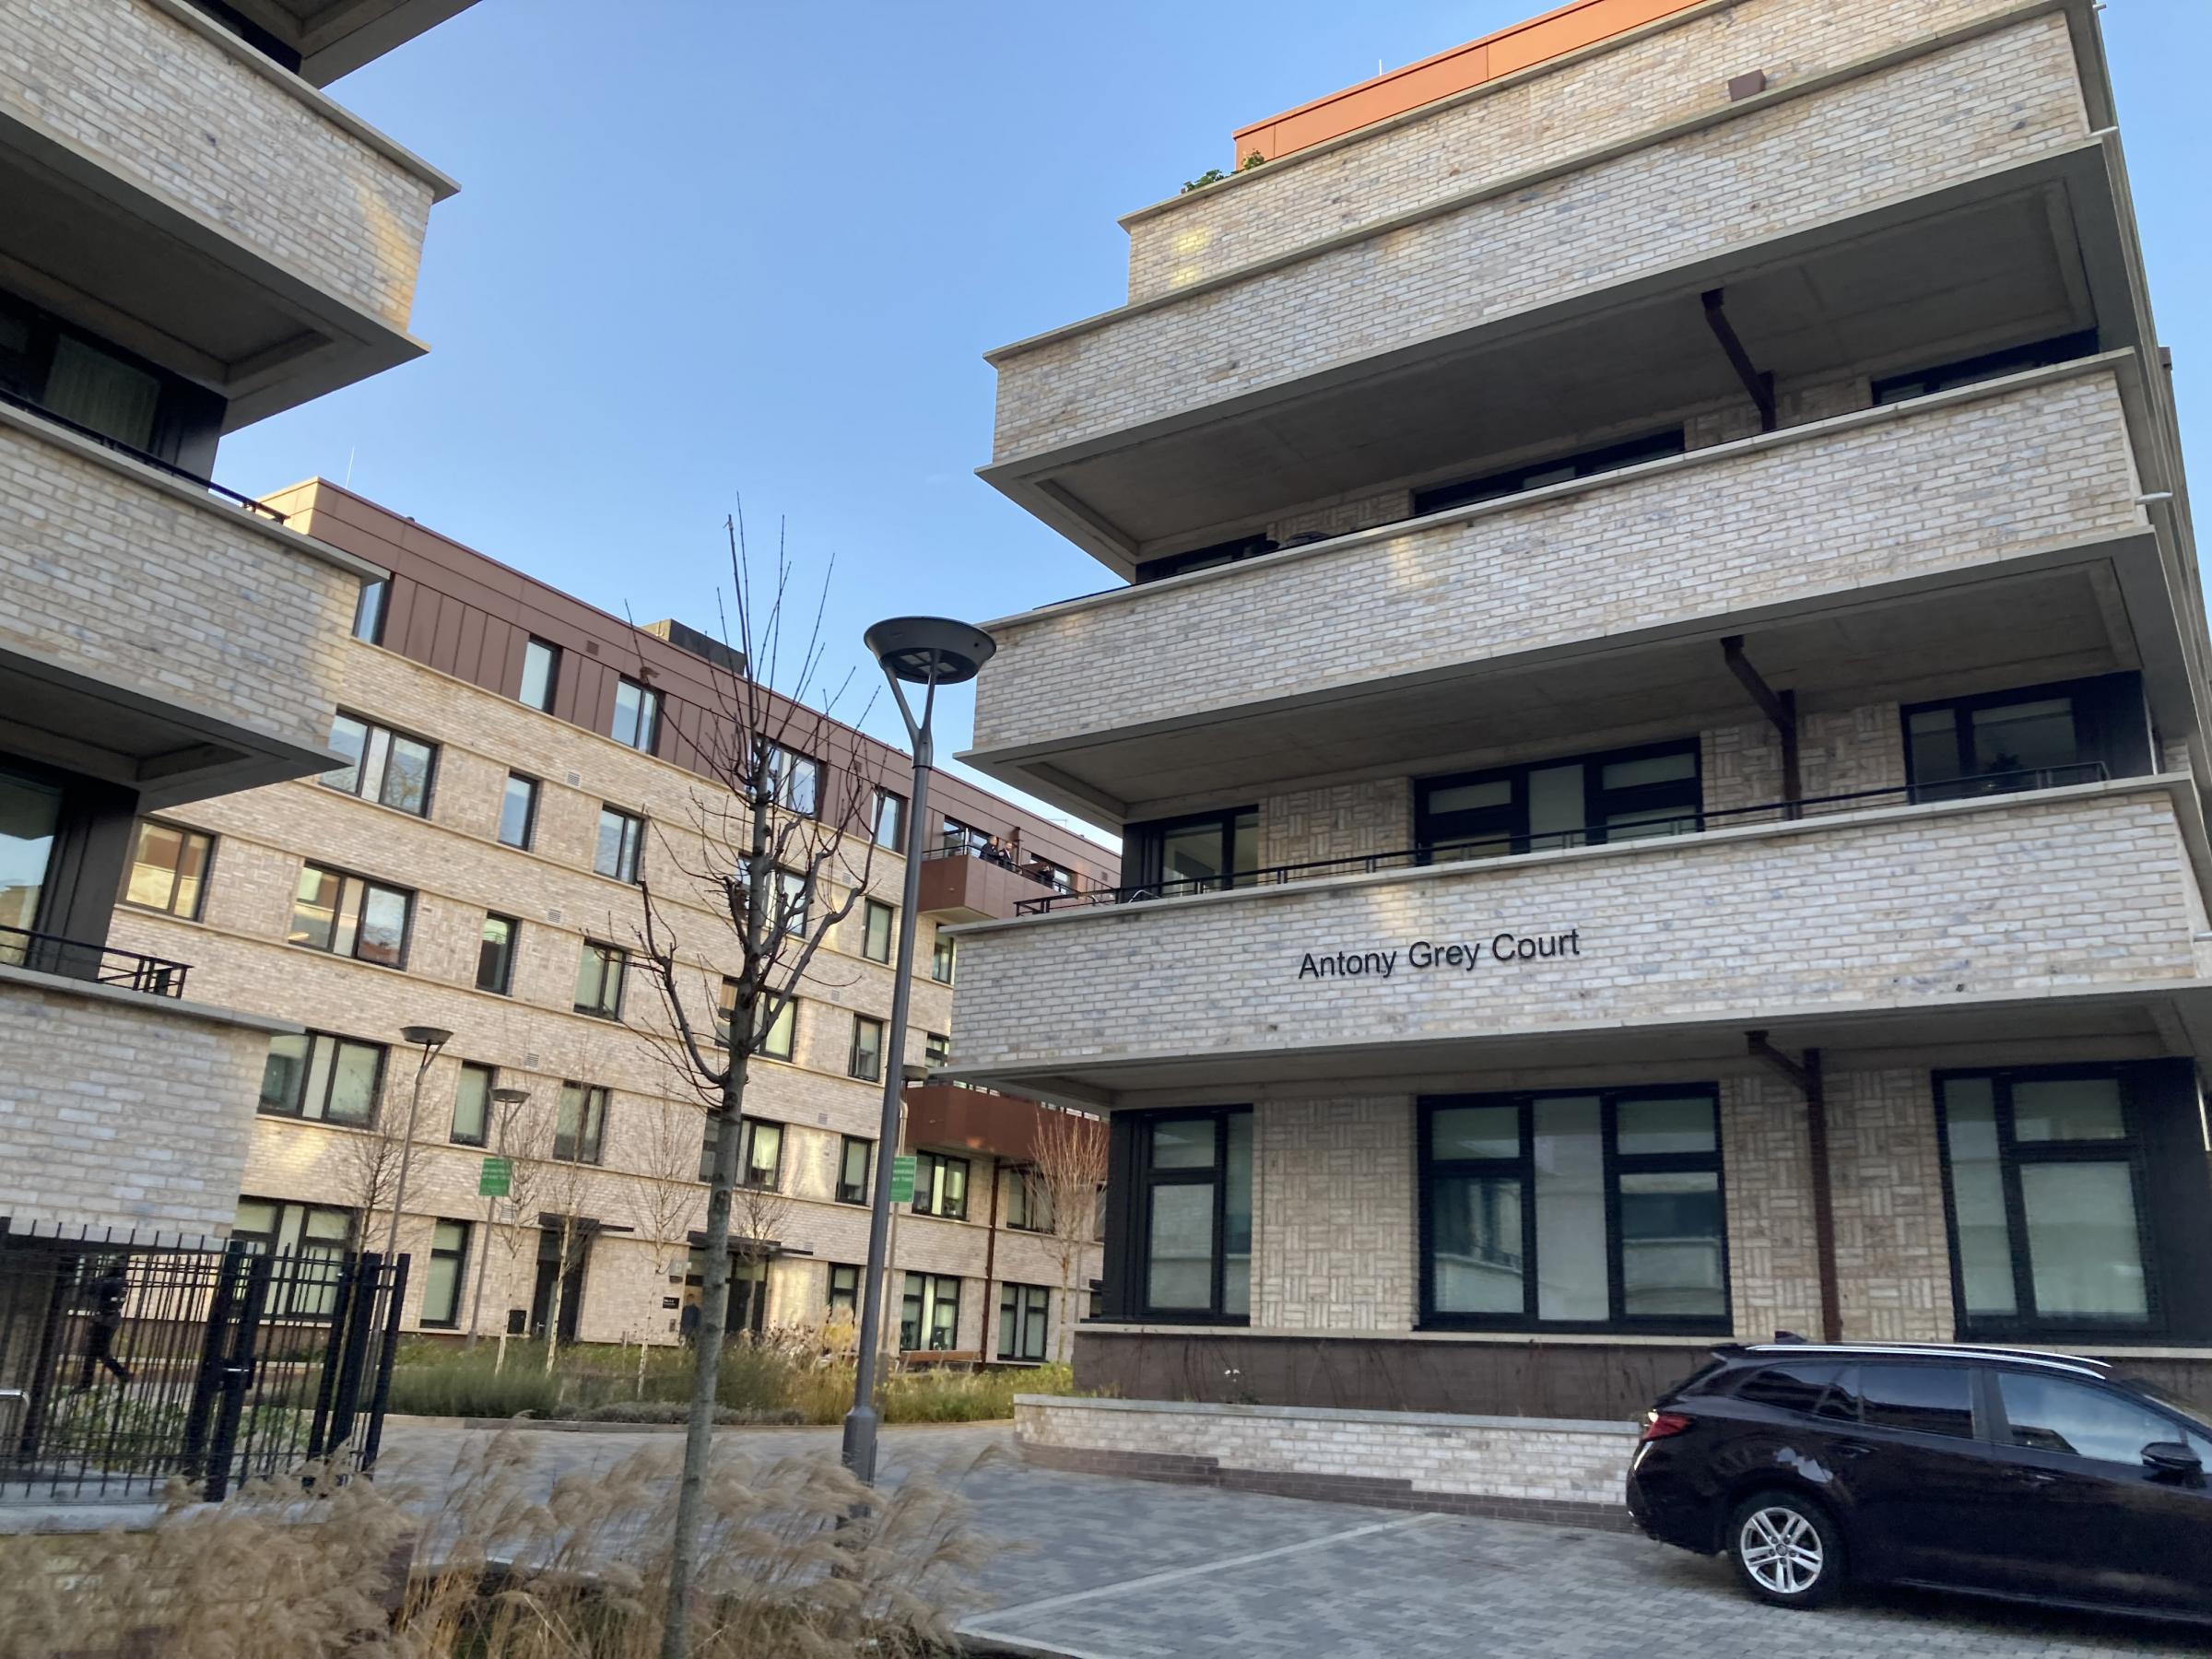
(746, 1310)
(571, 1294)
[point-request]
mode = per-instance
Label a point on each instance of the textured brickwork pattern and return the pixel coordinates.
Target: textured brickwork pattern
(1840, 752)
(191, 121)
(1338, 820)
(1332, 1215)
(1774, 1262)
(241, 625)
(2002, 100)
(1927, 903)
(121, 1113)
(1546, 120)
(1893, 1253)
(1818, 511)
(1342, 517)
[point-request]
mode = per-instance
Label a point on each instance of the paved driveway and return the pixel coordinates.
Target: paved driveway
(1098, 1568)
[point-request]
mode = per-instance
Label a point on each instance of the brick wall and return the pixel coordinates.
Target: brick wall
(121, 1111)
(1333, 1216)
(1467, 145)
(1998, 101)
(1773, 1260)
(1892, 1252)
(1338, 820)
(1876, 498)
(187, 115)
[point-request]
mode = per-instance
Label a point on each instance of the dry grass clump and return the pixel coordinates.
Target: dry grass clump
(800, 1560)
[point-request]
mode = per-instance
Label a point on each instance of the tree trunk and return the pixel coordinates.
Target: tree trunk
(713, 1317)
(561, 1286)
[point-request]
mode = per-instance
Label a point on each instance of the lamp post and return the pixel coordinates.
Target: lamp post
(928, 651)
(507, 1103)
(429, 1039)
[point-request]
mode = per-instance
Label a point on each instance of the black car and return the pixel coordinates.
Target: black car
(1998, 1471)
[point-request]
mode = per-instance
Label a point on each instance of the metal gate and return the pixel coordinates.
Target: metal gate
(125, 1365)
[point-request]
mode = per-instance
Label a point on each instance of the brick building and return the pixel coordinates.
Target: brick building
(1657, 710)
(517, 761)
(195, 236)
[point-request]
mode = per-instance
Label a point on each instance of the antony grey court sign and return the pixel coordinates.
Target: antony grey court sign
(1424, 956)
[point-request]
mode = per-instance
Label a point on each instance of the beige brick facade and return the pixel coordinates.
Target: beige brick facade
(1333, 1233)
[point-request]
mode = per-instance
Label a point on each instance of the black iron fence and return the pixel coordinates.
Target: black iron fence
(77, 958)
(1659, 822)
(125, 1365)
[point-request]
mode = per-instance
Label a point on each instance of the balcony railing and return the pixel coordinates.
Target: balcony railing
(92, 434)
(78, 960)
(1657, 825)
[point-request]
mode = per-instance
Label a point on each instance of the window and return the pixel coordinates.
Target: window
(761, 1168)
(313, 1235)
(2045, 1172)
(1535, 475)
(580, 1127)
(1919, 383)
(943, 958)
(1205, 557)
(350, 915)
(1028, 1201)
(449, 1271)
(1199, 854)
(169, 869)
(621, 835)
(31, 812)
(1922, 1399)
(776, 1043)
(600, 971)
(940, 1186)
(1193, 1191)
(323, 1077)
(518, 812)
(890, 820)
(790, 903)
(541, 675)
(495, 954)
(1024, 1321)
(929, 1316)
(875, 930)
(87, 383)
(382, 765)
(795, 781)
(1568, 1211)
(1788, 1387)
(965, 838)
(1625, 795)
(865, 1061)
(844, 1289)
(472, 1104)
(2050, 1414)
(2032, 737)
(854, 1160)
(637, 715)
(368, 610)
(937, 1049)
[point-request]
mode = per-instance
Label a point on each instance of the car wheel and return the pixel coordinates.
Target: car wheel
(1786, 1549)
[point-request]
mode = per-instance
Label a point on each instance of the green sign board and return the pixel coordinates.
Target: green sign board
(902, 1178)
(493, 1182)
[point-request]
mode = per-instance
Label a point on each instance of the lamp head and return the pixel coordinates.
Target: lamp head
(922, 650)
(428, 1037)
(511, 1097)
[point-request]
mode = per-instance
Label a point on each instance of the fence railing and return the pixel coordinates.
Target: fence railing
(1658, 823)
(127, 1365)
(80, 960)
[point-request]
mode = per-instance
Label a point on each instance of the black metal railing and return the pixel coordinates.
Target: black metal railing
(125, 1365)
(1656, 825)
(80, 960)
(93, 434)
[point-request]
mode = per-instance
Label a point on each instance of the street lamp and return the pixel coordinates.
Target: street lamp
(928, 651)
(509, 1103)
(429, 1039)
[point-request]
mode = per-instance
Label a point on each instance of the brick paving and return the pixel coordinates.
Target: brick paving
(1094, 1567)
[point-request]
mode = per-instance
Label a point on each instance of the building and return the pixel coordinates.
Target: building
(1658, 708)
(515, 762)
(195, 236)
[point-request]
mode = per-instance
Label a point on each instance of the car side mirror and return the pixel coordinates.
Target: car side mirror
(2170, 1457)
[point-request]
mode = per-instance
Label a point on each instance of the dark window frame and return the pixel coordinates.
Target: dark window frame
(357, 902)
(893, 839)
(845, 1296)
(451, 1319)
(849, 1191)
(295, 1107)
(2096, 732)
(786, 766)
(185, 416)
(1599, 803)
(552, 688)
(1145, 848)
(873, 909)
(644, 735)
(926, 1292)
(587, 1140)
(371, 609)
(207, 876)
(1985, 366)
(535, 791)
(852, 1055)
(614, 969)
(747, 1154)
(1577, 464)
(490, 1075)
(944, 959)
(1024, 1305)
(630, 844)
(359, 767)
(1522, 1166)
(293, 1294)
(505, 985)
(1145, 1180)
(930, 1199)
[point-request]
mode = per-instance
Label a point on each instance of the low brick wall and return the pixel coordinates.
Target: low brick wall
(1544, 1469)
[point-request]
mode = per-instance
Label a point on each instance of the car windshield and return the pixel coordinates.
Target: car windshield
(2193, 1411)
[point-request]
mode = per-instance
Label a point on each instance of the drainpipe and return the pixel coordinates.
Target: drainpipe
(998, 1175)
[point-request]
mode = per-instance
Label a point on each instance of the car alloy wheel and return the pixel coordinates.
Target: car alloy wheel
(1786, 1549)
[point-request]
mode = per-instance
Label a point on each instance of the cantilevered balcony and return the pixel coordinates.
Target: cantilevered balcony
(2070, 911)
(1994, 530)
(174, 190)
(964, 884)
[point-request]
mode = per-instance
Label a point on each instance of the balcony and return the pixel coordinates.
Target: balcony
(1992, 529)
(156, 636)
(2068, 911)
(943, 1114)
(962, 884)
(1863, 218)
(174, 190)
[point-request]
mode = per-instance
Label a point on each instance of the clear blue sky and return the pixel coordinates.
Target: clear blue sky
(759, 249)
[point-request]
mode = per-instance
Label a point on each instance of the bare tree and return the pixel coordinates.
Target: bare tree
(1064, 1178)
(563, 1182)
(525, 1137)
(777, 853)
(664, 1196)
(512, 1137)
(368, 1171)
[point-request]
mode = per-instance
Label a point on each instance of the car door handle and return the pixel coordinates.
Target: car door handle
(2035, 1477)
(1848, 1450)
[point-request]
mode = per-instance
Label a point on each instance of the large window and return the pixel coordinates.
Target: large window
(1555, 470)
(854, 1161)
(621, 837)
(1627, 795)
(865, 1061)
(2031, 737)
(350, 915)
(518, 811)
(1193, 1222)
(31, 812)
(472, 1104)
(761, 1168)
(1195, 854)
(368, 610)
(448, 1272)
(320, 1077)
(541, 673)
(940, 1186)
(1573, 1211)
(890, 820)
(314, 1235)
(1967, 372)
(169, 869)
(1029, 1200)
(2046, 1183)
(382, 765)
(1024, 1321)
(844, 1289)
(777, 1042)
(637, 715)
(944, 958)
(929, 1316)
(93, 385)
(878, 926)
(580, 1126)
(600, 971)
(795, 780)
(495, 954)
